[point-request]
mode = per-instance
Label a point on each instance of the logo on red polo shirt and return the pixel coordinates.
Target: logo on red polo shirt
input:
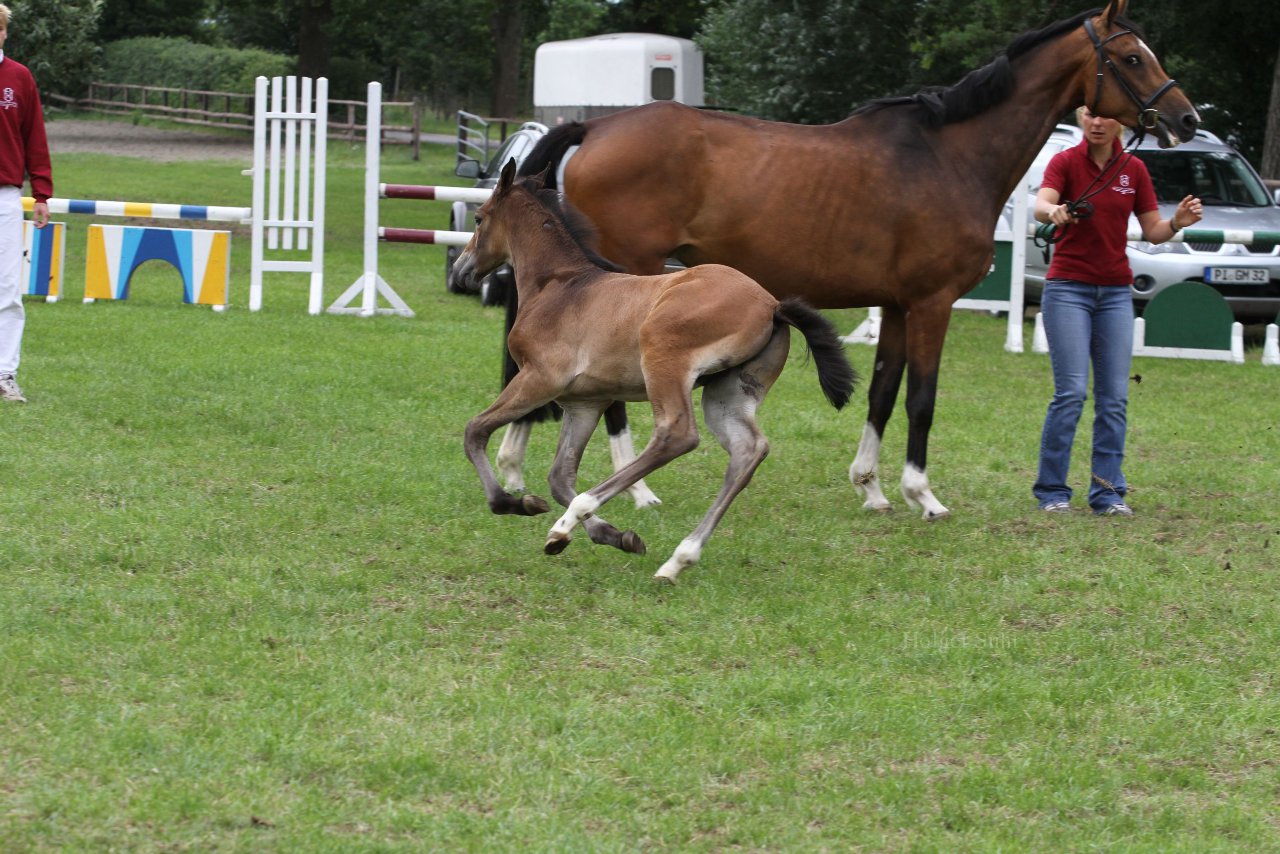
(8, 101)
(1124, 188)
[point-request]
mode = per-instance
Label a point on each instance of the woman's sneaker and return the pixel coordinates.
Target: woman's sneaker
(1057, 507)
(1115, 510)
(9, 389)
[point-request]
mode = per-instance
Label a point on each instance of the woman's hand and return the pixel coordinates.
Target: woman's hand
(1189, 212)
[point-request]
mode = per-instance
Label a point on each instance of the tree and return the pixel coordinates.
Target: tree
(1271, 146)
(56, 40)
(805, 60)
(668, 17)
(506, 24)
(314, 18)
(123, 19)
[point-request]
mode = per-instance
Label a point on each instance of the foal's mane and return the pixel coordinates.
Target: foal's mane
(579, 228)
(982, 88)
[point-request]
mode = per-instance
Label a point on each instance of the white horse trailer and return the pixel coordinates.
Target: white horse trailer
(579, 79)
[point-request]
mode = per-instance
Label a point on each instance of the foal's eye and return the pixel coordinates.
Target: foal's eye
(479, 219)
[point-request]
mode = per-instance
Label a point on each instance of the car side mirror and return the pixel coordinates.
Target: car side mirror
(1277, 195)
(467, 168)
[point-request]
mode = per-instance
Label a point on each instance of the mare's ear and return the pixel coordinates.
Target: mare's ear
(508, 175)
(1114, 9)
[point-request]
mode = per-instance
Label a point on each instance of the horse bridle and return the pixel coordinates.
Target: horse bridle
(1147, 114)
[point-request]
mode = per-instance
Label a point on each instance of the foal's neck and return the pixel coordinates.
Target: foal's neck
(543, 251)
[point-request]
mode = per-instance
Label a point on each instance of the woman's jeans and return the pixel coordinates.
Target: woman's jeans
(1086, 324)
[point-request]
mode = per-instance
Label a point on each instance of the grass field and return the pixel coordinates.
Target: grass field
(253, 601)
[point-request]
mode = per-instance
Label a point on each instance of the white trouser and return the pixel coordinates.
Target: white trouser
(12, 315)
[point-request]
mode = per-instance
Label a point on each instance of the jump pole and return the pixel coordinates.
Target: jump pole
(371, 284)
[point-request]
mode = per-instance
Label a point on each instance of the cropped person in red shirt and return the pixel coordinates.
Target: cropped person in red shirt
(23, 152)
(1088, 307)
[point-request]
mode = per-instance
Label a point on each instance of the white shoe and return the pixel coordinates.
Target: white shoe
(9, 389)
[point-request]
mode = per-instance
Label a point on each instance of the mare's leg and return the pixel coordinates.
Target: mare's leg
(674, 433)
(510, 459)
(729, 405)
(575, 431)
(522, 395)
(623, 450)
(891, 358)
(926, 331)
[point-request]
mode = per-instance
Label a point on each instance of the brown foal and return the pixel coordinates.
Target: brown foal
(587, 334)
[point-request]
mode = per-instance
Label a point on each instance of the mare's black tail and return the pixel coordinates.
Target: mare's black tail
(835, 374)
(550, 149)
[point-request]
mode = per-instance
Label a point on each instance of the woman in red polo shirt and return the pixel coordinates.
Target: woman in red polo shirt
(1088, 307)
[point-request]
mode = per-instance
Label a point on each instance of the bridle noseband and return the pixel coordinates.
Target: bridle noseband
(1147, 114)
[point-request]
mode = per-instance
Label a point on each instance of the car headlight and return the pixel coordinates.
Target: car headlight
(1158, 248)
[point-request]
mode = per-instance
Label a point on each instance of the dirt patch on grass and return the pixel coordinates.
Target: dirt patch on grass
(95, 136)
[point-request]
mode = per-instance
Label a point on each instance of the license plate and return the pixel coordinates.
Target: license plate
(1237, 275)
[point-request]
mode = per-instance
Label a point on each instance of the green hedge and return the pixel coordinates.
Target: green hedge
(186, 65)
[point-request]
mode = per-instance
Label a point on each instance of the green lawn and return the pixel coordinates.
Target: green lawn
(253, 599)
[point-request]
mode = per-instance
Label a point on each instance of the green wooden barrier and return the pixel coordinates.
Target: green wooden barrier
(1189, 320)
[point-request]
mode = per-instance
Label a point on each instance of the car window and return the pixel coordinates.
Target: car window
(1217, 177)
(514, 147)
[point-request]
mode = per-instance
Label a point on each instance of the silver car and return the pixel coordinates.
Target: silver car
(1247, 275)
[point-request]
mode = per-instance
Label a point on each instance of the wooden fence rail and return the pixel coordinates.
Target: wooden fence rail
(235, 110)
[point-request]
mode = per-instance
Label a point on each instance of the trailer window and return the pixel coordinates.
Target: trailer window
(662, 84)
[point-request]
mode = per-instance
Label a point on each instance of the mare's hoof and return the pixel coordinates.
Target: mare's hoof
(556, 543)
(632, 543)
(533, 505)
(883, 509)
(935, 517)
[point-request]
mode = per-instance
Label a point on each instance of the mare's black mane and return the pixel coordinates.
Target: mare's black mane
(982, 88)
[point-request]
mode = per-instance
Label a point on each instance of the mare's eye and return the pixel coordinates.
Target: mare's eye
(1133, 59)
(479, 218)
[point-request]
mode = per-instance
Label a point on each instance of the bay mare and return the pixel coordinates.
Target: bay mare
(587, 335)
(894, 206)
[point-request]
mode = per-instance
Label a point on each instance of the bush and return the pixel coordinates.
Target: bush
(183, 64)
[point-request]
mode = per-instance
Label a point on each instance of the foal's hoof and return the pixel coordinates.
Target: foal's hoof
(936, 515)
(632, 543)
(556, 543)
(506, 504)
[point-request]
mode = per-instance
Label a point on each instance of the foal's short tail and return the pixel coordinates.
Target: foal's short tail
(835, 374)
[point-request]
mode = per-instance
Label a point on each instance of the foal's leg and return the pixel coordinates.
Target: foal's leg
(515, 443)
(520, 397)
(674, 433)
(575, 431)
(926, 330)
(729, 405)
(623, 449)
(510, 458)
(891, 358)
